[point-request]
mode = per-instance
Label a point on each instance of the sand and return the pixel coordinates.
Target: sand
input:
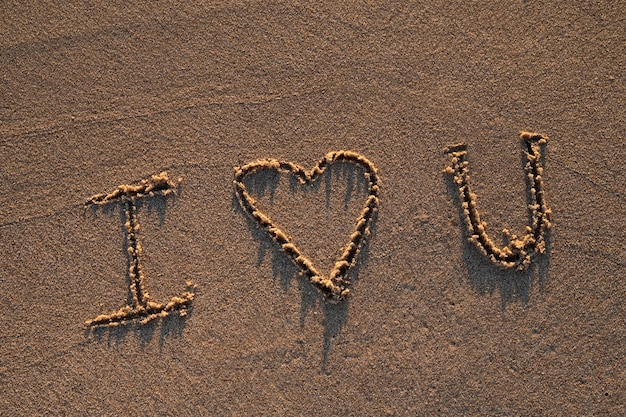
(92, 98)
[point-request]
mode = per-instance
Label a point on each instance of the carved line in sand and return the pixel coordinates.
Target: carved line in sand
(520, 250)
(142, 307)
(335, 286)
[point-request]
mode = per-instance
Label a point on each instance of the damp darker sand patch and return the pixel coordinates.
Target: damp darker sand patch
(336, 284)
(518, 253)
(142, 307)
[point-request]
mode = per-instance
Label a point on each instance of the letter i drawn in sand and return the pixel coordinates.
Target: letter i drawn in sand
(142, 307)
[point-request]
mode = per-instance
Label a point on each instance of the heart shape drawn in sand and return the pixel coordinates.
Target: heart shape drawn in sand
(335, 286)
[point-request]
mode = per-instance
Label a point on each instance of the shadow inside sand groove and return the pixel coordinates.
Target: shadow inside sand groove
(335, 314)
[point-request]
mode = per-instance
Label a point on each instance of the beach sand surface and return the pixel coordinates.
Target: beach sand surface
(92, 97)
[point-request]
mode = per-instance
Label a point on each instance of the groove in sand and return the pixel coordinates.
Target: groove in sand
(518, 253)
(142, 308)
(335, 286)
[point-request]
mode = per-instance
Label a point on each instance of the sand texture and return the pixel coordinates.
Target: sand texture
(402, 249)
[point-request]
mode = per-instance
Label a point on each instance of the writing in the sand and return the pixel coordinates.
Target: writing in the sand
(335, 287)
(141, 308)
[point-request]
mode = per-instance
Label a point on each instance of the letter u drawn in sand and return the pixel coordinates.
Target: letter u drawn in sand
(142, 307)
(335, 285)
(518, 253)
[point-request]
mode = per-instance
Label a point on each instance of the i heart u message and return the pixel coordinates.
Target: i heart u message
(335, 285)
